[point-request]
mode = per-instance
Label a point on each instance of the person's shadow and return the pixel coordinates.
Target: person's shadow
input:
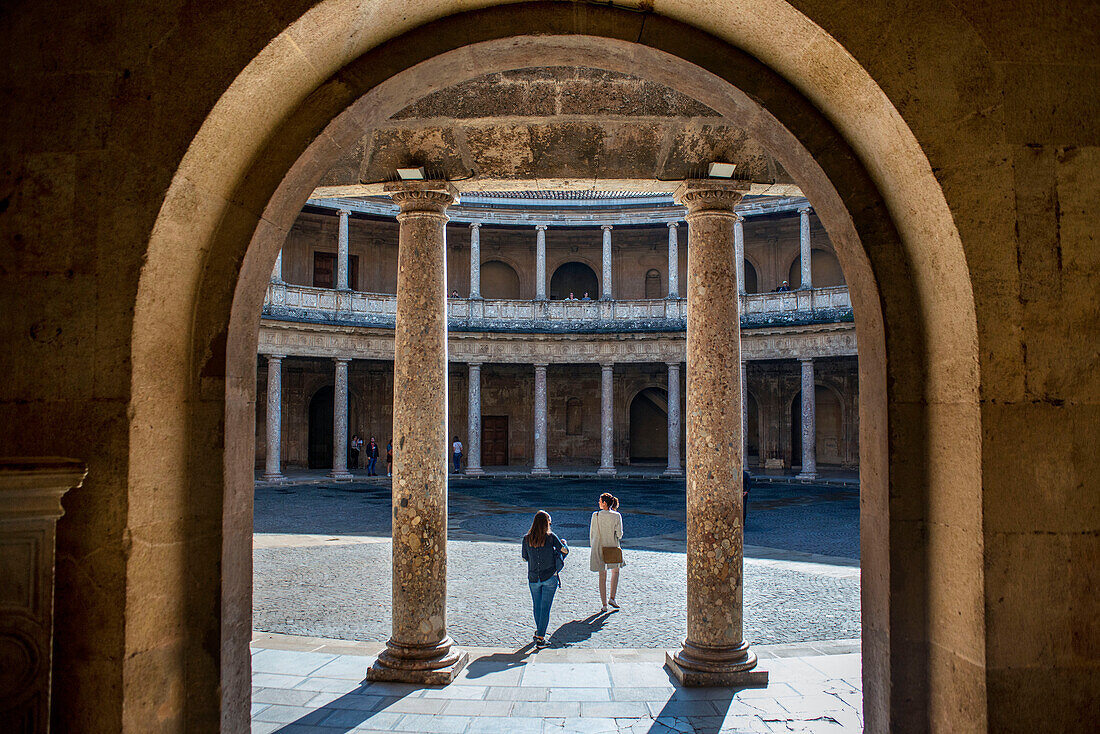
(499, 661)
(579, 630)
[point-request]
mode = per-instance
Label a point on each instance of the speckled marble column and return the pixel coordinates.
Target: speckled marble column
(541, 466)
(809, 421)
(804, 247)
(475, 260)
(673, 469)
(342, 252)
(340, 422)
(739, 252)
(473, 423)
(715, 652)
(673, 261)
(273, 470)
(540, 262)
(605, 291)
(419, 650)
(607, 423)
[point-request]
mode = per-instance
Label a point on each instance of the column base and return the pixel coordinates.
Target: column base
(474, 471)
(671, 472)
(344, 476)
(807, 475)
(697, 666)
(606, 471)
(437, 665)
(280, 477)
(540, 471)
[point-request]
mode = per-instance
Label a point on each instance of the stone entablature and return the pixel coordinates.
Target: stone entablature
(325, 305)
(296, 339)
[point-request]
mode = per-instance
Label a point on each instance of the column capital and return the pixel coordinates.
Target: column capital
(805, 360)
(607, 227)
(475, 225)
(276, 357)
(338, 360)
(540, 227)
(475, 363)
(710, 196)
(672, 225)
(805, 209)
(673, 365)
(607, 365)
(541, 365)
(422, 197)
(344, 211)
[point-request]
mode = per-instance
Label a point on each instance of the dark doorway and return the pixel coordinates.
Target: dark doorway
(750, 278)
(752, 430)
(324, 270)
(653, 284)
(649, 426)
(494, 440)
(576, 278)
(321, 414)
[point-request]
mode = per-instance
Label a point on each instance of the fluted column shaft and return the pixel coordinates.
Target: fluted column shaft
(540, 262)
(473, 425)
(674, 469)
(541, 466)
(809, 421)
(475, 260)
(342, 252)
(419, 649)
(673, 261)
(739, 253)
(607, 423)
(606, 292)
(340, 421)
(273, 462)
(715, 651)
(804, 247)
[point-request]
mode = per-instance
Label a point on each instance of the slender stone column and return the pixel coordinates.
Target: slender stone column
(273, 464)
(541, 467)
(605, 294)
(475, 260)
(739, 253)
(804, 246)
(473, 425)
(673, 469)
(715, 652)
(342, 252)
(277, 271)
(30, 505)
(419, 650)
(673, 261)
(607, 424)
(744, 414)
(340, 422)
(809, 421)
(540, 262)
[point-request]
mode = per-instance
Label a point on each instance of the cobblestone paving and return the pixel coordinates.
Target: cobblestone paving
(322, 563)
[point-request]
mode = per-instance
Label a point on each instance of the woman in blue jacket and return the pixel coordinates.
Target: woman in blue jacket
(545, 554)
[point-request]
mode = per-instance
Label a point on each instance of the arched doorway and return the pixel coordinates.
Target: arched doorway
(576, 278)
(649, 427)
(652, 284)
(499, 280)
(321, 411)
(752, 430)
(751, 285)
(846, 147)
(824, 267)
(829, 427)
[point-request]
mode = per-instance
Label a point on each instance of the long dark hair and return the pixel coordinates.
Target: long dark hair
(610, 500)
(540, 528)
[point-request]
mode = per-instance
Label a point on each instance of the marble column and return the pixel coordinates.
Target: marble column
(739, 253)
(475, 260)
(30, 505)
(473, 423)
(419, 650)
(673, 261)
(809, 421)
(340, 422)
(715, 651)
(804, 246)
(541, 467)
(607, 424)
(605, 291)
(673, 469)
(540, 262)
(277, 271)
(342, 252)
(273, 470)
(744, 414)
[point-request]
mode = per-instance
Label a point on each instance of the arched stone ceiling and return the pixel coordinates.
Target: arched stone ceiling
(576, 126)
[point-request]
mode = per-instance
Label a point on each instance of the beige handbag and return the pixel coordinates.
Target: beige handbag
(612, 554)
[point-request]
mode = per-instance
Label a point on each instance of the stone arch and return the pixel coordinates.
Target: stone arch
(499, 280)
(649, 425)
(825, 268)
(576, 277)
(246, 174)
(653, 284)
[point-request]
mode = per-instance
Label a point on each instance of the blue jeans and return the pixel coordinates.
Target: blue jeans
(458, 463)
(370, 464)
(542, 595)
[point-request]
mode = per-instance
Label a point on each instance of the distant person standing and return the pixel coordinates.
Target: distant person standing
(389, 458)
(457, 449)
(607, 555)
(354, 447)
(545, 555)
(372, 457)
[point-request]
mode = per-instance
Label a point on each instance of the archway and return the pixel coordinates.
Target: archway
(652, 284)
(576, 278)
(649, 426)
(499, 280)
(223, 218)
(824, 267)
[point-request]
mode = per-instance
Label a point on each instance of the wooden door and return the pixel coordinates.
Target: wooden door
(324, 270)
(494, 440)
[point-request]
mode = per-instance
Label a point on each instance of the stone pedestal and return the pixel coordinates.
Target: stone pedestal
(473, 424)
(674, 469)
(540, 467)
(273, 470)
(607, 423)
(30, 504)
(715, 652)
(419, 650)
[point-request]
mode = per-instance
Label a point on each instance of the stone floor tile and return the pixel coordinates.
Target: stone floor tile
(544, 709)
(415, 706)
(639, 674)
(774, 690)
(616, 709)
(793, 669)
(489, 673)
(517, 693)
(849, 665)
(352, 667)
(393, 688)
(379, 720)
(661, 693)
(334, 685)
(586, 725)
(257, 708)
(478, 708)
(566, 675)
(287, 714)
(580, 694)
(265, 727)
(275, 680)
(433, 724)
(681, 708)
(289, 662)
(504, 725)
(467, 693)
(818, 703)
(347, 718)
(286, 696)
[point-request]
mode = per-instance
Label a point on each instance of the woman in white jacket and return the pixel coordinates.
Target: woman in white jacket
(605, 532)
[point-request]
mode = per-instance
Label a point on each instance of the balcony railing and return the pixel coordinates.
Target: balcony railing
(302, 303)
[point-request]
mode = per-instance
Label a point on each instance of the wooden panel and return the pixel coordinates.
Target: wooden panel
(494, 440)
